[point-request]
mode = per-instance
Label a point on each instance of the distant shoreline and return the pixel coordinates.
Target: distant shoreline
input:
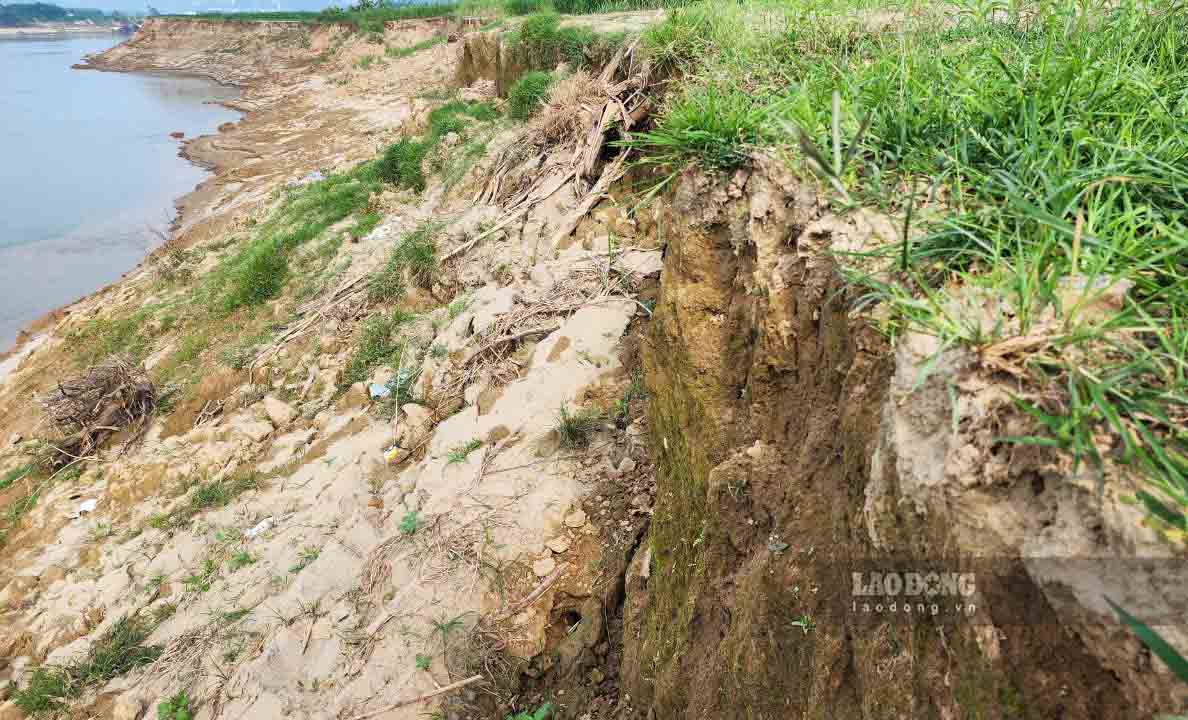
(54, 31)
(198, 156)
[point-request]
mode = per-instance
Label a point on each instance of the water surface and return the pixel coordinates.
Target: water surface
(88, 171)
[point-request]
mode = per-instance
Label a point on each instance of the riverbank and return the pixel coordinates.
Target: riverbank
(438, 401)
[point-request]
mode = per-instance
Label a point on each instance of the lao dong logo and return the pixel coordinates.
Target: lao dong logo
(913, 593)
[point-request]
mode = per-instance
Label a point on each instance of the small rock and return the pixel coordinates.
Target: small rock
(127, 708)
(575, 519)
(558, 544)
(416, 415)
(278, 411)
(354, 397)
(16, 439)
(627, 465)
(544, 566)
(9, 711)
(255, 431)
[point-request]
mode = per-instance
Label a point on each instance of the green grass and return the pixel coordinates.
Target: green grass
(17, 473)
(587, 7)
(412, 261)
(457, 306)
(1059, 144)
(260, 269)
(541, 43)
(202, 579)
(379, 343)
(369, 19)
(304, 558)
(402, 162)
(118, 650)
(366, 61)
(528, 94)
(459, 453)
(12, 514)
(207, 496)
(526, 7)
(397, 53)
(102, 337)
(241, 559)
(575, 428)
(540, 713)
(410, 523)
(365, 225)
(177, 707)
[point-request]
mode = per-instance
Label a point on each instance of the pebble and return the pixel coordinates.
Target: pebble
(575, 519)
(544, 566)
(127, 708)
(558, 544)
(279, 412)
(627, 465)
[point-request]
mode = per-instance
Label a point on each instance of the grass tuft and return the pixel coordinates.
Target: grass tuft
(379, 343)
(459, 453)
(118, 650)
(574, 429)
(528, 94)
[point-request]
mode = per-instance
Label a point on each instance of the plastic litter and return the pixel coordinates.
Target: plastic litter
(261, 527)
(312, 177)
(393, 453)
(379, 391)
(84, 507)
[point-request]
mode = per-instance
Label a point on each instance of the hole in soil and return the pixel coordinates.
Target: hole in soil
(571, 618)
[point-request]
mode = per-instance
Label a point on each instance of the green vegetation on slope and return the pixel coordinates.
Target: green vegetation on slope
(402, 163)
(118, 650)
(1055, 138)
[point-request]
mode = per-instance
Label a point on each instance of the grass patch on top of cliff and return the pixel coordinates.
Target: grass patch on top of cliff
(366, 16)
(542, 43)
(1051, 140)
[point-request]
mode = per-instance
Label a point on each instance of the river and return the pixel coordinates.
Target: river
(88, 170)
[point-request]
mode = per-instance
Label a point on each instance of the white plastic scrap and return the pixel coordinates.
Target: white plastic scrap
(84, 507)
(261, 527)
